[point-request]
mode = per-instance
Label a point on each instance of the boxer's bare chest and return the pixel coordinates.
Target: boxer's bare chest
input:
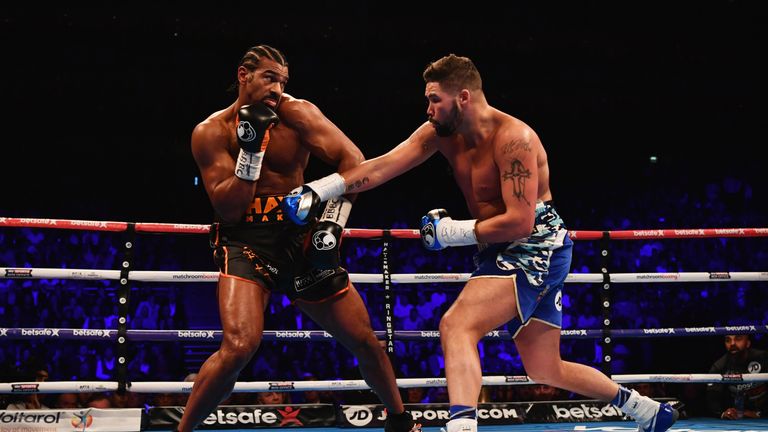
(476, 173)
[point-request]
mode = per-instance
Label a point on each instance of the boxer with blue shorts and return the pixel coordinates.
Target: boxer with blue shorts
(501, 167)
(539, 266)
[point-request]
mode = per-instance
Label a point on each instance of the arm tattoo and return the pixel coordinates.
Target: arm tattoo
(518, 174)
(516, 145)
(357, 184)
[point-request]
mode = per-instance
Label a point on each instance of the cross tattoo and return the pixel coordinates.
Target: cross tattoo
(518, 174)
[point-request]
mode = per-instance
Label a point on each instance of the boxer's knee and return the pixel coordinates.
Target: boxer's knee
(455, 328)
(238, 351)
(365, 347)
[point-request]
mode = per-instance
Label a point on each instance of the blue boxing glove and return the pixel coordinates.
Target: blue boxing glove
(302, 204)
(253, 125)
(439, 231)
(324, 241)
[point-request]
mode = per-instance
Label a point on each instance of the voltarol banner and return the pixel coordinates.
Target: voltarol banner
(71, 420)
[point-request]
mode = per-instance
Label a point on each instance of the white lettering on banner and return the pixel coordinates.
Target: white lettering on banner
(659, 331)
(497, 413)
(88, 223)
(437, 277)
(739, 231)
(740, 328)
(429, 414)
(648, 233)
(493, 333)
(246, 417)
(207, 334)
(689, 232)
(700, 329)
(3, 332)
(573, 332)
(671, 276)
(430, 334)
(37, 221)
(301, 334)
(585, 411)
(282, 385)
(40, 332)
(205, 228)
(90, 332)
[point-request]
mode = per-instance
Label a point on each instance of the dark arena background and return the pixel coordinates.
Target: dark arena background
(652, 115)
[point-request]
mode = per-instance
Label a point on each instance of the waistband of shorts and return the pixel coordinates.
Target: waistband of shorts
(547, 203)
(263, 209)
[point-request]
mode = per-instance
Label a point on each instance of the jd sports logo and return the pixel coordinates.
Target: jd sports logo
(358, 415)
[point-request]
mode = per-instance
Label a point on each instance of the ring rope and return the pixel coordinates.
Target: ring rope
(150, 227)
(340, 385)
(203, 276)
(142, 335)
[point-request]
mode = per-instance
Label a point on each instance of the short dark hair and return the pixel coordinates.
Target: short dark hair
(253, 56)
(454, 73)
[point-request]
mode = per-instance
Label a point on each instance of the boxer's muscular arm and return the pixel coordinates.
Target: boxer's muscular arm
(301, 204)
(515, 157)
(230, 195)
(320, 135)
(416, 149)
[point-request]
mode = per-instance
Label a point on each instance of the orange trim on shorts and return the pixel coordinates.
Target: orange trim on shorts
(253, 282)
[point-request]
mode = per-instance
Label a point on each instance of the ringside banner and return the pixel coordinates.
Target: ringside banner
(249, 417)
(84, 419)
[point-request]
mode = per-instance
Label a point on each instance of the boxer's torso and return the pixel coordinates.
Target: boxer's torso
(286, 157)
(477, 173)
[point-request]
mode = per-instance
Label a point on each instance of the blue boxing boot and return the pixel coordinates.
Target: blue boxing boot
(651, 416)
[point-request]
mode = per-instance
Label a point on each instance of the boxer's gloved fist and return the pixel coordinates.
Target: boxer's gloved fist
(439, 231)
(253, 125)
(302, 204)
(325, 238)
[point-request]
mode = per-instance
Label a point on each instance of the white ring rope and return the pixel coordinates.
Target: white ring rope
(339, 385)
(201, 276)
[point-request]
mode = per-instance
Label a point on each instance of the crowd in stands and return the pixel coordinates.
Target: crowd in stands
(91, 304)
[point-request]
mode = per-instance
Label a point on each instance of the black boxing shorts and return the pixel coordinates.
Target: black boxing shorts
(267, 249)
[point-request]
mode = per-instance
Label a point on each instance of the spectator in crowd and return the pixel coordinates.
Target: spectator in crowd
(273, 398)
(67, 401)
(739, 399)
(31, 401)
(99, 400)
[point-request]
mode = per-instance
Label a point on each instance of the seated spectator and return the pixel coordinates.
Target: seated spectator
(99, 400)
(415, 395)
(273, 398)
(67, 401)
(30, 401)
(737, 400)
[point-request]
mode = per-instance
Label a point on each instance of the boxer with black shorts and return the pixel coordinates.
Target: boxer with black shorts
(250, 155)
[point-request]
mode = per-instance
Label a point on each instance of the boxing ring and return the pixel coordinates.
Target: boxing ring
(122, 336)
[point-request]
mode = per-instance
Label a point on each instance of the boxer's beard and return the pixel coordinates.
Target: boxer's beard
(450, 125)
